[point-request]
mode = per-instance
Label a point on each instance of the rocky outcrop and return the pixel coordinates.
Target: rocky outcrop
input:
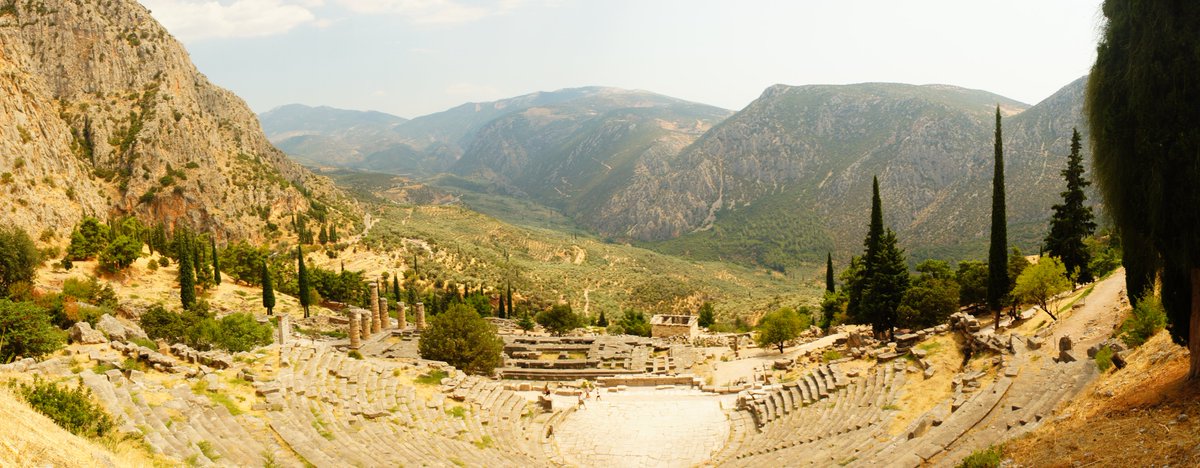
(103, 113)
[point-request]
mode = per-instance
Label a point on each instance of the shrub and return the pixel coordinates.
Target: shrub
(1148, 318)
(91, 291)
(984, 458)
(71, 408)
(1104, 358)
(634, 323)
(463, 339)
(241, 332)
(25, 330)
(18, 258)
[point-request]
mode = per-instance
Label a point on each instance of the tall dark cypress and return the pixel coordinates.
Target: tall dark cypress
(396, 287)
(829, 272)
(302, 280)
(187, 278)
(1072, 221)
(215, 261)
(268, 291)
(500, 309)
(998, 280)
(870, 260)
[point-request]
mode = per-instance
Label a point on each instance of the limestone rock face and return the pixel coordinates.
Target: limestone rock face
(117, 330)
(103, 113)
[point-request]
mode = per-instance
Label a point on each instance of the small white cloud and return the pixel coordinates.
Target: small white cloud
(209, 19)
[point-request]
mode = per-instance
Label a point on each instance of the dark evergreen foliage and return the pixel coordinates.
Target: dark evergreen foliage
(998, 280)
(216, 261)
(302, 291)
(18, 258)
(187, 279)
(268, 290)
(1142, 109)
(829, 285)
(1072, 221)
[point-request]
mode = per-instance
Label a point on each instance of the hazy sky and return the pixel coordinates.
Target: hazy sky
(414, 57)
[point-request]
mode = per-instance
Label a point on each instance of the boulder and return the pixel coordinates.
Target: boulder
(83, 333)
(112, 327)
(1034, 342)
(1065, 356)
(1118, 360)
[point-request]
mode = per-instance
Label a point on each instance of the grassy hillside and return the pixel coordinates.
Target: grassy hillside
(456, 243)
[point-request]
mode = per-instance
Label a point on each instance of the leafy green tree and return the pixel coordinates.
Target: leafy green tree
(932, 298)
(707, 315)
(19, 258)
(971, 277)
(634, 323)
(88, 239)
(829, 285)
(1145, 151)
(187, 279)
(120, 253)
(216, 261)
(1039, 283)
(243, 262)
(998, 280)
(1072, 221)
(26, 331)
(779, 327)
(241, 332)
(268, 291)
(833, 309)
(559, 319)
(463, 339)
(303, 292)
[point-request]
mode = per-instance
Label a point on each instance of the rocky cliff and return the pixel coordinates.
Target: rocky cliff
(103, 113)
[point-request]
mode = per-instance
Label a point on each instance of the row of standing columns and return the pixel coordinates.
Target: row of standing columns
(363, 325)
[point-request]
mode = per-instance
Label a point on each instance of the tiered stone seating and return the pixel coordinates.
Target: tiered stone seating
(816, 430)
(342, 411)
(227, 440)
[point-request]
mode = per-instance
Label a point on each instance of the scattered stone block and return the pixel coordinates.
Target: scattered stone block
(83, 333)
(1064, 343)
(1065, 356)
(929, 371)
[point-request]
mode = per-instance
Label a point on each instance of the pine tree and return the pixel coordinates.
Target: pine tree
(1072, 220)
(998, 281)
(216, 261)
(829, 286)
(268, 292)
(187, 279)
(302, 280)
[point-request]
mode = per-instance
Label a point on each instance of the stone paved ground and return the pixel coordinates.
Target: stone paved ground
(645, 427)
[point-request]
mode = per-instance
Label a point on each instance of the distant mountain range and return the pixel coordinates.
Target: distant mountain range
(782, 181)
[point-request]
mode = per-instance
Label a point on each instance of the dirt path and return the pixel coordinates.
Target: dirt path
(1100, 313)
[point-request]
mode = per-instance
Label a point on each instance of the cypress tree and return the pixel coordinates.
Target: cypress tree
(870, 259)
(323, 235)
(1142, 115)
(602, 321)
(333, 235)
(829, 272)
(396, 287)
(886, 286)
(302, 279)
(500, 309)
(511, 305)
(998, 281)
(1072, 220)
(216, 261)
(268, 292)
(187, 279)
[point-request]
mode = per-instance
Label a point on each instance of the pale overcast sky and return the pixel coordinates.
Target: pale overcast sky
(415, 57)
